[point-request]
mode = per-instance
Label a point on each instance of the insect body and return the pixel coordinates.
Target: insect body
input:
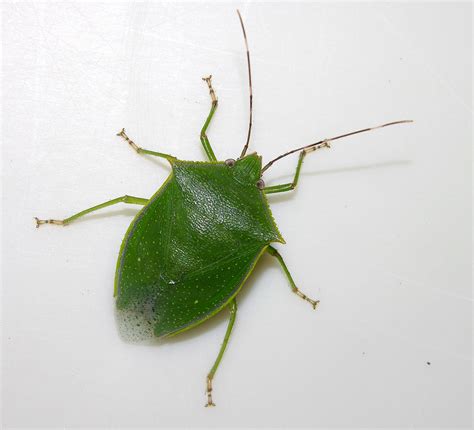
(189, 250)
(191, 247)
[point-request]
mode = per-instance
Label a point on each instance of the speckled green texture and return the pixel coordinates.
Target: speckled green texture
(189, 250)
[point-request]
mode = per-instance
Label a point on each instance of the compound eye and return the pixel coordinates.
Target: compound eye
(260, 184)
(230, 162)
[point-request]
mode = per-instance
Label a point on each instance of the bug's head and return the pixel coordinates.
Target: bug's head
(247, 170)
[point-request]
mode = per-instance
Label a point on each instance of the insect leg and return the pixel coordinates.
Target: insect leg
(291, 186)
(276, 254)
(140, 150)
(203, 136)
(210, 375)
(124, 199)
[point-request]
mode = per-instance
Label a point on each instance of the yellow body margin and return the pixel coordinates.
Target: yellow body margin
(131, 226)
(192, 325)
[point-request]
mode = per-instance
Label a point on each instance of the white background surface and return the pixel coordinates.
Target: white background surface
(379, 229)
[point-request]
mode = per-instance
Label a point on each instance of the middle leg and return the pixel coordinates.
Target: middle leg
(272, 251)
(124, 199)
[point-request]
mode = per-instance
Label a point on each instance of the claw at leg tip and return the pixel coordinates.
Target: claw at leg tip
(40, 221)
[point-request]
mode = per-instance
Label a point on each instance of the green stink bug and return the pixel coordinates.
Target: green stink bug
(190, 249)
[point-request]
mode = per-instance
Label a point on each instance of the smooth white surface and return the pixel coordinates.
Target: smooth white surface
(379, 229)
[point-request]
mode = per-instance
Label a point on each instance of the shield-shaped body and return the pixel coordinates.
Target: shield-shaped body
(188, 252)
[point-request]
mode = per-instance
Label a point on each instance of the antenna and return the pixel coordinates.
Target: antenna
(325, 142)
(250, 85)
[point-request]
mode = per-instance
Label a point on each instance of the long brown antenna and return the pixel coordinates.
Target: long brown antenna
(250, 85)
(325, 142)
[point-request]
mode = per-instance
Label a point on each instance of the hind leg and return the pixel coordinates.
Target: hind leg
(210, 375)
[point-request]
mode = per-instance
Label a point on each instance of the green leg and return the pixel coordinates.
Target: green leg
(139, 150)
(210, 375)
(123, 199)
(291, 186)
(204, 139)
(276, 254)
